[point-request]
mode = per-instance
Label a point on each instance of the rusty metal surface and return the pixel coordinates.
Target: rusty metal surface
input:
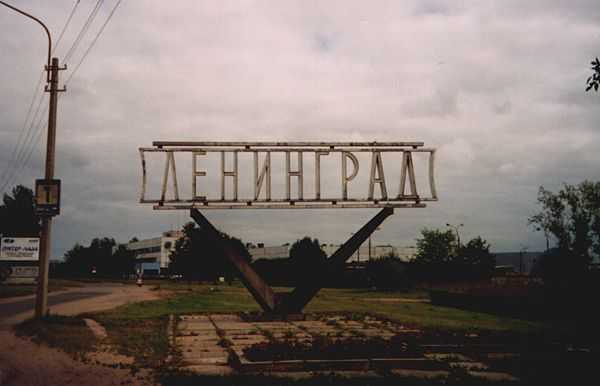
(260, 290)
(407, 195)
(295, 301)
(284, 205)
(283, 144)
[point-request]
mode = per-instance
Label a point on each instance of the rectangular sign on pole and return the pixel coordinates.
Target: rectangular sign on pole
(47, 197)
(20, 248)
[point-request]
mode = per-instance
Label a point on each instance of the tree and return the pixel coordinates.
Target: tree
(80, 260)
(594, 80)
(122, 261)
(103, 254)
(436, 246)
(17, 214)
(76, 263)
(306, 257)
(439, 257)
(572, 217)
(474, 260)
(197, 257)
(388, 273)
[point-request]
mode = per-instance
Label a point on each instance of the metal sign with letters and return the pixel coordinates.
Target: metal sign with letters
(289, 175)
(20, 248)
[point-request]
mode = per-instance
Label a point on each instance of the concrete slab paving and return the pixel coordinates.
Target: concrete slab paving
(208, 369)
(200, 340)
(424, 374)
(225, 318)
(475, 366)
(493, 376)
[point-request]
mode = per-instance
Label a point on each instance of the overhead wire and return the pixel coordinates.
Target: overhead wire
(93, 43)
(22, 141)
(83, 31)
(84, 56)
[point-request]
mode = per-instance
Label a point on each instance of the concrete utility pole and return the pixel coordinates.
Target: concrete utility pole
(52, 68)
(376, 229)
(41, 304)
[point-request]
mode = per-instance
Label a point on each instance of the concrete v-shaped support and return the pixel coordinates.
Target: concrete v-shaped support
(296, 300)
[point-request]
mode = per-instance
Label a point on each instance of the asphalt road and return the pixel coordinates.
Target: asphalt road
(20, 306)
(88, 298)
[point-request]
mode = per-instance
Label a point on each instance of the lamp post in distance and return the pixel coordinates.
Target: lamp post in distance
(455, 227)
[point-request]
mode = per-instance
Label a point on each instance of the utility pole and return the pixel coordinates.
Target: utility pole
(357, 252)
(41, 303)
(376, 229)
(47, 191)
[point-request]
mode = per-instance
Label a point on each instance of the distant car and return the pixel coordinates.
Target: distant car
(176, 277)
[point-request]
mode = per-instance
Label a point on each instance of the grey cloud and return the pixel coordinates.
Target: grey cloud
(497, 86)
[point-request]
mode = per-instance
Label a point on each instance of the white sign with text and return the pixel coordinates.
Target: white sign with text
(20, 248)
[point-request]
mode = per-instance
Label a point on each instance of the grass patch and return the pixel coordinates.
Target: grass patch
(186, 300)
(423, 315)
(69, 333)
(139, 329)
(146, 340)
(203, 298)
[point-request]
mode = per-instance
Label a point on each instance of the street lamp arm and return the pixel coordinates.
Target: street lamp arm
(40, 23)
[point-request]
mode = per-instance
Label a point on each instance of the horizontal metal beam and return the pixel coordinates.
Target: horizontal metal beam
(287, 206)
(322, 201)
(241, 149)
(285, 144)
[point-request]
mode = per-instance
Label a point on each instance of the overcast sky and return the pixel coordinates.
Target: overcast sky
(496, 86)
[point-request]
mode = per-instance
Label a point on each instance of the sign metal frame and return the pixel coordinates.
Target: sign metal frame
(262, 175)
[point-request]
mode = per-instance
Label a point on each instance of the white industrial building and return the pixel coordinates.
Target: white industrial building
(405, 253)
(152, 255)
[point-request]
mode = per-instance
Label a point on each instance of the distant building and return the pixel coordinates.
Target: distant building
(152, 255)
(521, 262)
(405, 253)
(274, 252)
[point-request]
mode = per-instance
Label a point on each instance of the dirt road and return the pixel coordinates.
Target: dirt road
(23, 362)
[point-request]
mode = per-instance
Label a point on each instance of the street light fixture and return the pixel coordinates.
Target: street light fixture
(43, 26)
(455, 227)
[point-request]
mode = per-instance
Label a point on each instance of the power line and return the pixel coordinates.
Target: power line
(83, 30)
(66, 25)
(39, 126)
(12, 159)
(26, 153)
(19, 149)
(93, 43)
